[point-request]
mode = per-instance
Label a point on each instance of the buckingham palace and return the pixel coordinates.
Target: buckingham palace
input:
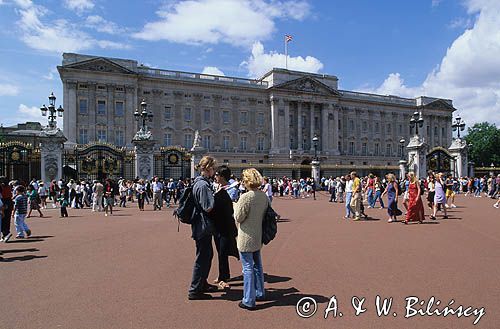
(268, 122)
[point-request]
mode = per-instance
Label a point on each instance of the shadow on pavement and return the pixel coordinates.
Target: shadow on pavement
(20, 258)
(20, 250)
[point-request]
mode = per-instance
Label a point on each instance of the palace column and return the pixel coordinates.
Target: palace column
(72, 128)
(274, 125)
(287, 145)
(311, 124)
(299, 126)
(335, 146)
(325, 134)
(130, 106)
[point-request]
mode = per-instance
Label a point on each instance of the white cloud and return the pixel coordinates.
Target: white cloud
(236, 22)
(58, 36)
(260, 62)
(468, 73)
(99, 24)
(212, 70)
(27, 113)
(435, 3)
(50, 75)
(79, 6)
(7, 89)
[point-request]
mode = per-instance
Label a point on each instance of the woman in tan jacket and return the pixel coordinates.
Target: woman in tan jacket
(249, 212)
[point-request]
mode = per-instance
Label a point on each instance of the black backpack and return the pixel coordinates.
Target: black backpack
(184, 213)
(269, 225)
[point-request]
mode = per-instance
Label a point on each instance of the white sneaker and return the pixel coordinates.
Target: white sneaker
(453, 206)
(495, 205)
(7, 237)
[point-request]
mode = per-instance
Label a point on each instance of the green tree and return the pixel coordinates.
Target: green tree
(484, 141)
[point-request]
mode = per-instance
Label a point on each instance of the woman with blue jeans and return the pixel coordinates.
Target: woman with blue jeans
(249, 212)
(348, 197)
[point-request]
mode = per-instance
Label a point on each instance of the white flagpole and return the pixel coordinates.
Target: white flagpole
(286, 53)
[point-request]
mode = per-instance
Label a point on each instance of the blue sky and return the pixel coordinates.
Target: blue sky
(442, 48)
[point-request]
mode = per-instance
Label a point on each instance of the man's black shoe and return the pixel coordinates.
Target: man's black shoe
(210, 288)
(198, 296)
(243, 306)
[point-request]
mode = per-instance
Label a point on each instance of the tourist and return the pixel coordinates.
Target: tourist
(109, 197)
(404, 186)
(295, 189)
(392, 191)
(63, 200)
(348, 197)
(249, 212)
(450, 194)
(268, 189)
(415, 205)
(97, 195)
(356, 196)
(225, 228)
(331, 185)
(79, 195)
(33, 200)
(20, 211)
(123, 193)
(6, 197)
(43, 193)
(140, 190)
(172, 190)
(53, 191)
(430, 190)
(340, 188)
(157, 188)
(439, 196)
(202, 228)
(370, 190)
(377, 184)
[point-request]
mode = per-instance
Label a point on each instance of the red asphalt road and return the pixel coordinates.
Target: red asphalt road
(132, 270)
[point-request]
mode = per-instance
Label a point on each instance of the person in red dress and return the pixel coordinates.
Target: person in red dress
(415, 205)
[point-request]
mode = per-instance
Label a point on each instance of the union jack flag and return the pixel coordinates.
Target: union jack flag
(288, 38)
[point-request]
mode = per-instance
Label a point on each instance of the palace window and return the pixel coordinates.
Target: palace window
(225, 117)
(187, 114)
(340, 147)
(316, 123)
(243, 143)
(119, 109)
(83, 136)
(207, 141)
(365, 126)
(428, 130)
(243, 118)
(303, 121)
(388, 150)
(377, 127)
(82, 86)
(101, 135)
(291, 120)
(351, 125)
(167, 139)
(340, 125)
(101, 87)
(188, 141)
(377, 149)
(83, 106)
(435, 131)
(226, 143)
(260, 119)
(363, 149)
(260, 143)
(167, 113)
(351, 148)
(400, 129)
(389, 130)
(206, 115)
(101, 107)
(119, 138)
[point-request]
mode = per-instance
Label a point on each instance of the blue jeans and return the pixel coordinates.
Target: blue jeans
(348, 209)
(253, 277)
(371, 202)
(378, 196)
(21, 225)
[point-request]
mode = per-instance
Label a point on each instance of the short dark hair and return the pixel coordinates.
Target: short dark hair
(225, 172)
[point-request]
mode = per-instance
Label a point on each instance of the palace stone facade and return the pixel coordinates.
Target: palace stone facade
(268, 122)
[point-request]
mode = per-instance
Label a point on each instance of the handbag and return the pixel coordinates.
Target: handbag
(269, 225)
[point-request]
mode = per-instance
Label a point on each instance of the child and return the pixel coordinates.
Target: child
(20, 211)
(64, 202)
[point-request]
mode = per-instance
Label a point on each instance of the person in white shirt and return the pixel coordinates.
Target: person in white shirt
(348, 195)
(268, 189)
(157, 189)
(42, 192)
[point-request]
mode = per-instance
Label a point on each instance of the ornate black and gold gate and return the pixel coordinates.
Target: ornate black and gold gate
(19, 161)
(439, 160)
(173, 162)
(98, 161)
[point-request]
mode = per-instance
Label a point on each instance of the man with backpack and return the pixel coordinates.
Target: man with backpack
(202, 230)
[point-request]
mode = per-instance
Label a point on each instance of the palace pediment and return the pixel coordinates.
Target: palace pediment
(307, 85)
(439, 104)
(99, 65)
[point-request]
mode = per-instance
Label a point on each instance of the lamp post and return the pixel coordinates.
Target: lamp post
(315, 143)
(458, 125)
(144, 115)
(417, 120)
(52, 111)
(402, 142)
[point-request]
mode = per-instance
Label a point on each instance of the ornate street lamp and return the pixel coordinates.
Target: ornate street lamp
(458, 125)
(402, 142)
(144, 115)
(51, 109)
(315, 143)
(417, 120)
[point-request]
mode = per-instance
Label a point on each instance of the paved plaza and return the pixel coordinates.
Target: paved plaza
(132, 270)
